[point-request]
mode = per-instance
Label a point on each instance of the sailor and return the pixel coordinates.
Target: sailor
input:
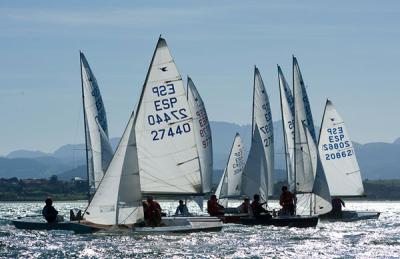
(182, 210)
(286, 200)
(244, 207)
(73, 217)
(337, 207)
(257, 208)
(152, 213)
(213, 207)
(49, 212)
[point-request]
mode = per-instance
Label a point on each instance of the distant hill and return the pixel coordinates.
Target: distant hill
(377, 160)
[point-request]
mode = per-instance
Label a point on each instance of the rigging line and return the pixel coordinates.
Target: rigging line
(136, 208)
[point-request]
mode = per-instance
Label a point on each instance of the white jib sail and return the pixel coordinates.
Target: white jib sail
(287, 106)
(118, 199)
(254, 180)
(304, 173)
(338, 156)
(263, 118)
(222, 190)
(202, 131)
(322, 198)
(99, 147)
(231, 182)
(167, 148)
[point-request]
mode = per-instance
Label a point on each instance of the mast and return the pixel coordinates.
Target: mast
(283, 125)
(294, 135)
(85, 127)
(252, 110)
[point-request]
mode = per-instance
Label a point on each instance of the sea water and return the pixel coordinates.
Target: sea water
(361, 239)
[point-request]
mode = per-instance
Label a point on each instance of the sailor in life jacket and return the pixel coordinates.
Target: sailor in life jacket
(214, 208)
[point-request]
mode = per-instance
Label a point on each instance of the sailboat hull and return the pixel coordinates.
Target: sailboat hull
(349, 216)
(168, 224)
(35, 224)
(294, 221)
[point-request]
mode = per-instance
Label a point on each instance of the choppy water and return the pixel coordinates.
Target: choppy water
(363, 239)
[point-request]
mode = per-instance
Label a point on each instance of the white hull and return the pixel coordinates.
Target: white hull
(184, 224)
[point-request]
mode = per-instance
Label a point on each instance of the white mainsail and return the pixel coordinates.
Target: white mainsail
(259, 168)
(287, 107)
(303, 165)
(231, 181)
(202, 131)
(167, 148)
(338, 156)
(99, 149)
(118, 198)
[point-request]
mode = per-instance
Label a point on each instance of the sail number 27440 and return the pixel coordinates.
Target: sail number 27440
(167, 110)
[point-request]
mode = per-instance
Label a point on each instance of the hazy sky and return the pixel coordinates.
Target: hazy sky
(348, 51)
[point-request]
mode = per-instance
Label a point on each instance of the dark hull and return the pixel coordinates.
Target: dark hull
(349, 216)
(295, 221)
(40, 225)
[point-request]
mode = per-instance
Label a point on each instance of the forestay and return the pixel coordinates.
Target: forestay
(338, 156)
(98, 146)
(287, 107)
(118, 199)
(167, 147)
(202, 130)
(304, 173)
(231, 181)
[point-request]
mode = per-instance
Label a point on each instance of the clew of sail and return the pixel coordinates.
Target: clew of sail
(201, 127)
(167, 148)
(118, 198)
(231, 181)
(287, 107)
(303, 165)
(98, 145)
(338, 156)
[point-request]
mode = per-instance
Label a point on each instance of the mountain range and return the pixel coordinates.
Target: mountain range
(377, 160)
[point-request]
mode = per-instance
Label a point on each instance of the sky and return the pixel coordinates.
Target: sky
(348, 51)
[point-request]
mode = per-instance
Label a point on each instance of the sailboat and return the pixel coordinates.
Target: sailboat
(157, 155)
(340, 163)
(98, 148)
(259, 167)
(231, 180)
(257, 175)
